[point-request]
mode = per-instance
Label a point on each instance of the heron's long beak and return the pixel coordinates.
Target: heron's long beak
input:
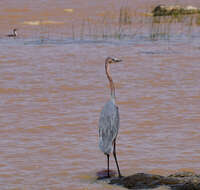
(116, 60)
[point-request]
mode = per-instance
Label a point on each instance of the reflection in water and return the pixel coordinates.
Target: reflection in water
(51, 93)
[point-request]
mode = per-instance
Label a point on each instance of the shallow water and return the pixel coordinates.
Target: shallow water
(52, 91)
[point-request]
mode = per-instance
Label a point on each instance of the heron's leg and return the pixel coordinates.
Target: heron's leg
(108, 156)
(108, 164)
(114, 154)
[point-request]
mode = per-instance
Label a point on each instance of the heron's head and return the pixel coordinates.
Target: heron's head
(111, 60)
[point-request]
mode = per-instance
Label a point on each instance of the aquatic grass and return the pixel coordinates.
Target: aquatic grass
(82, 29)
(126, 23)
(197, 20)
(125, 16)
(73, 32)
(174, 10)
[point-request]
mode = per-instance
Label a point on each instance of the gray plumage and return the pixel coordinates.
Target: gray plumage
(109, 120)
(108, 126)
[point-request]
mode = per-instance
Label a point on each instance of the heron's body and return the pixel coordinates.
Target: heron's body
(109, 120)
(108, 126)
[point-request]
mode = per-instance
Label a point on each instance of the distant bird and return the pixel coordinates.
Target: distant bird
(14, 34)
(109, 120)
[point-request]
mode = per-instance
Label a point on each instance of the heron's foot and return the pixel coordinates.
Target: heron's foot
(107, 177)
(104, 174)
(120, 176)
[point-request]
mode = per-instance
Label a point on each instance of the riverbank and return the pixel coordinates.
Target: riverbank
(177, 181)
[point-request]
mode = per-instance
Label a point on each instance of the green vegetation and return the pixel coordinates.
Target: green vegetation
(162, 10)
(127, 23)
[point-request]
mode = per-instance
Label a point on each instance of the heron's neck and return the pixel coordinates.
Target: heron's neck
(112, 87)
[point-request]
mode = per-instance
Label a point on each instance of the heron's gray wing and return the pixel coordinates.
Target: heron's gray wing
(108, 126)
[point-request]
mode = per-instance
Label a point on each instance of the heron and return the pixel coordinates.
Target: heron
(109, 120)
(14, 34)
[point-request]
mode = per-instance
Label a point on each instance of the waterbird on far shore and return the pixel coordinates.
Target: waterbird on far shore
(109, 120)
(14, 34)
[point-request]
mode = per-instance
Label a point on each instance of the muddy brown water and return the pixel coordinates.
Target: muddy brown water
(51, 94)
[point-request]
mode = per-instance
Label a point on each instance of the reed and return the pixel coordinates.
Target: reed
(126, 23)
(125, 16)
